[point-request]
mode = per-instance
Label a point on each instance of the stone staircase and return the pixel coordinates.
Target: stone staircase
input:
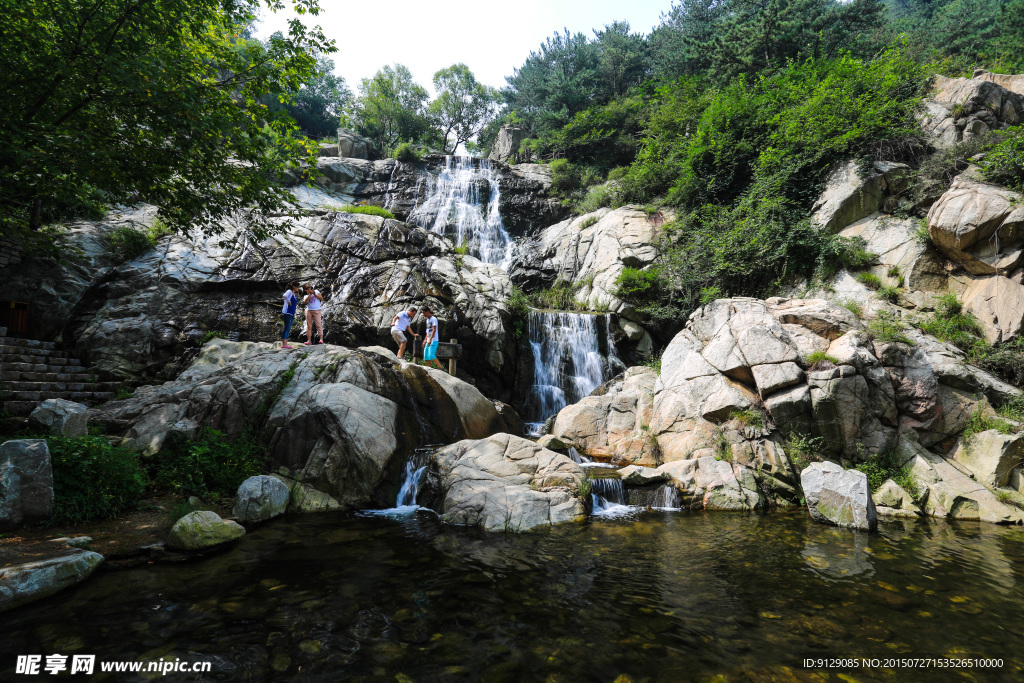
(32, 371)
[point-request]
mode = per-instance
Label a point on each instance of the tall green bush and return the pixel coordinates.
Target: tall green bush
(212, 463)
(92, 479)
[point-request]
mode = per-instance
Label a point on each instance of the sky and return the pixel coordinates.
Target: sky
(491, 38)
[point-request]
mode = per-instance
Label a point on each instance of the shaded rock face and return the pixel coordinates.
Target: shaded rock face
(594, 248)
(260, 498)
(506, 145)
(26, 583)
(61, 417)
(144, 314)
(353, 145)
(340, 421)
(962, 108)
(838, 496)
(26, 482)
(505, 483)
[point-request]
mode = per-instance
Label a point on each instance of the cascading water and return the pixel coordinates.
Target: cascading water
(405, 502)
(567, 360)
(461, 203)
(608, 497)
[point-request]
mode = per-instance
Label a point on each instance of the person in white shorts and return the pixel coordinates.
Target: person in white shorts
(399, 326)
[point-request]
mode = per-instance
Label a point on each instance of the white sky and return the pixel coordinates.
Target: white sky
(491, 38)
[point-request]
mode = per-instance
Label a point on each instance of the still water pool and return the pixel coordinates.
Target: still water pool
(659, 596)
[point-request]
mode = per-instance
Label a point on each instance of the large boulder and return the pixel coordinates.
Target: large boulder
(593, 249)
(838, 496)
(998, 304)
(895, 243)
(980, 226)
(614, 423)
(26, 482)
(506, 483)
(991, 456)
(355, 146)
(260, 498)
(24, 583)
(506, 145)
(851, 194)
(892, 500)
(61, 417)
(710, 483)
(339, 420)
(203, 529)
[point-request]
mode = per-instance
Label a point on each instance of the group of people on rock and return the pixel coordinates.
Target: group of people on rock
(311, 299)
(400, 324)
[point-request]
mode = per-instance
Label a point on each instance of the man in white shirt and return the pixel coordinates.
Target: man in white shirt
(430, 340)
(399, 325)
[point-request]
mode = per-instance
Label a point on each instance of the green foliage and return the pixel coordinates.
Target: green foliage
(950, 324)
(749, 418)
(462, 107)
(894, 271)
(1004, 163)
(853, 306)
(92, 479)
(561, 296)
(921, 233)
(126, 243)
(981, 422)
(870, 280)
(1005, 361)
(816, 357)
(884, 466)
(618, 173)
(637, 285)
(1010, 498)
(210, 335)
(709, 294)
(586, 485)
(588, 221)
(889, 293)
(654, 364)
(367, 209)
(1012, 409)
(123, 393)
(461, 250)
(149, 101)
(518, 307)
(596, 198)
(565, 178)
(886, 328)
(391, 107)
(406, 152)
(157, 230)
(803, 449)
(213, 463)
(319, 104)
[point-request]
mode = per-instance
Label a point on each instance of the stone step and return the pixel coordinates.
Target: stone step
(7, 352)
(80, 396)
(62, 386)
(23, 376)
(19, 407)
(24, 358)
(42, 367)
(27, 343)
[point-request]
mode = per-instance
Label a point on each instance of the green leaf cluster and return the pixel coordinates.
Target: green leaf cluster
(92, 479)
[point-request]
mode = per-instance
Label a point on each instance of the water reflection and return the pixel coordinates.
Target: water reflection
(662, 596)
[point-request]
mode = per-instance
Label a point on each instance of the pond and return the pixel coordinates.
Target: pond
(659, 596)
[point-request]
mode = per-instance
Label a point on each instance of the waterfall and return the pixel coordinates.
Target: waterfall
(567, 359)
(405, 502)
(659, 497)
(608, 496)
(461, 203)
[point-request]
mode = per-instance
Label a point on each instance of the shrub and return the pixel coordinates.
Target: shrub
(126, 243)
(1005, 361)
(561, 296)
(635, 285)
(1012, 409)
(596, 198)
(1004, 163)
(884, 466)
(210, 336)
(588, 221)
(839, 253)
(980, 422)
(749, 418)
(213, 463)
(564, 177)
(709, 294)
(870, 280)
(816, 357)
(367, 209)
(461, 250)
(654, 364)
(92, 479)
(406, 152)
(803, 449)
(853, 306)
(889, 293)
(921, 234)
(518, 307)
(618, 173)
(950, 324)
(886, 328)
(894, 271)
(157, 230)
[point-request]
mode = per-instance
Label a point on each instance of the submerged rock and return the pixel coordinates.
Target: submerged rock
(838, 496)
(203, 529)
(24, 583)
(506, 483)
(260, 498)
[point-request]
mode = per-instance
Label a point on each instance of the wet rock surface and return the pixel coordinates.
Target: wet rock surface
(32, 581)
(203, 529)
(838, 496)
(26, 482)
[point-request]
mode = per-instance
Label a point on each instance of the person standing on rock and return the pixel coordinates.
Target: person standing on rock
(430, 340)
(291, 300)
(312, 302)
(399, 325)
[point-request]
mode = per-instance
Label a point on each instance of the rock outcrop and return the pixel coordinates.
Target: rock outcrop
(26, 482)
(506, 145)
(24, 583)
(851, 194)
(505, 483)
(838, 496)
(915, 265)
(260, 498)
(61, 417)
(355, 146)
(339, 420)
(962, 108)
(203, 529)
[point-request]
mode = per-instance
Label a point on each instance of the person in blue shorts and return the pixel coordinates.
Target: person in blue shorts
(291, 299)
(430, 340)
